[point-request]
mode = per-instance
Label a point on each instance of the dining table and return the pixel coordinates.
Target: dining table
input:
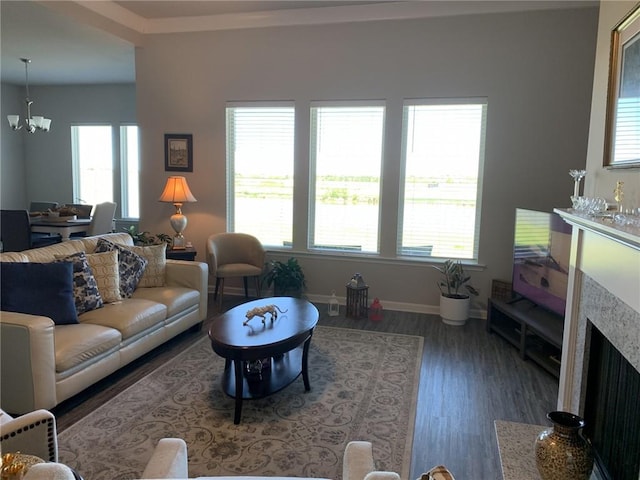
(59, 226)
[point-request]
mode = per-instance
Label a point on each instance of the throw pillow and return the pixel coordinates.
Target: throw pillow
(156, 264)
(105, 270)
(85, 288)
(39, 289)
(130, 265)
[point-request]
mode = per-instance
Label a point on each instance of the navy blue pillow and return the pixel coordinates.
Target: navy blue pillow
(39, 289)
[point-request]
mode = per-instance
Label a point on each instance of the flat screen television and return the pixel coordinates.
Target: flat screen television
(542, 242)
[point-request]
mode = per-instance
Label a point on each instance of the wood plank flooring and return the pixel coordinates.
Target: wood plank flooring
(468, 379)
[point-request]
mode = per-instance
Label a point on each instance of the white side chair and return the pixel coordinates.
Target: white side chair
(102, 219)
(33, 433)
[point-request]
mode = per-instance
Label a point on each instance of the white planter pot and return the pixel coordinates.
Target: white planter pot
(454, 311)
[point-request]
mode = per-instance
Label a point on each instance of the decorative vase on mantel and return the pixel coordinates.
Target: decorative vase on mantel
(561, 452)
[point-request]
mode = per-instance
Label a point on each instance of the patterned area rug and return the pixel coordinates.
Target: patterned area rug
(363, 387)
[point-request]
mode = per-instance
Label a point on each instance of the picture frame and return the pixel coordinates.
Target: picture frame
(622, 124)
(178, 152)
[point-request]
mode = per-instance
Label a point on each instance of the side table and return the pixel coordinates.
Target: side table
(188, 254)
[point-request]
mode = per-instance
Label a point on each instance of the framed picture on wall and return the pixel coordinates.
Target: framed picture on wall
(178, 152)
(622, 141)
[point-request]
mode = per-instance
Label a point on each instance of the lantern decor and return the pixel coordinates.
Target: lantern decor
(375, 310)
(334, 306)
(357, 297)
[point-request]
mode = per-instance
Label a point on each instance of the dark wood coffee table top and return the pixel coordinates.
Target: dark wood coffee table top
(283, 342)
(233, 340)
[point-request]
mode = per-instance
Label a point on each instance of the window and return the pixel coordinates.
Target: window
(101, 174)
(346, 162)
(443, 152)
(260, 158)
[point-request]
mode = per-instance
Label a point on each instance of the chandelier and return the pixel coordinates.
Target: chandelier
(31, 123)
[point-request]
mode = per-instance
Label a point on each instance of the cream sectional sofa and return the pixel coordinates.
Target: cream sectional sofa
(43, 364)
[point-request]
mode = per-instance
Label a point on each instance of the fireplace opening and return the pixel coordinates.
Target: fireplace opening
(612, 410)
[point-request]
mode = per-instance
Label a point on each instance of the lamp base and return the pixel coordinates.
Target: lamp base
(178, 243)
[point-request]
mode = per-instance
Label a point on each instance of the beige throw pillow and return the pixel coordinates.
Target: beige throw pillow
(105, 270)
(155, 255)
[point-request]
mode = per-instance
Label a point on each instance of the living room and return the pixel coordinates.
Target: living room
(544, 73)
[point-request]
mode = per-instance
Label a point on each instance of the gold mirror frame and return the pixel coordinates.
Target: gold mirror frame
(624, 74)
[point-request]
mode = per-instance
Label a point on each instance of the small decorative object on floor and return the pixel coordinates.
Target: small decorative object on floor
(334, 306)
(262, 311)
(561, 452)
(357, 297)
(375, 310)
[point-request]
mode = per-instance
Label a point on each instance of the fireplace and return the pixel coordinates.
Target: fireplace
(612, 409)
(603, 306)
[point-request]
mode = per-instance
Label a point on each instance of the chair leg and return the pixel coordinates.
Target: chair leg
(221, 280)
(215, 293)
(257, 279)
(246, 290)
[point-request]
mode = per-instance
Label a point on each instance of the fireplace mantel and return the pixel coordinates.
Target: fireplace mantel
(604, 286)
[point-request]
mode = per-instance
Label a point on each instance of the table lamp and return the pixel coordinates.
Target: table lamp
(177, 191)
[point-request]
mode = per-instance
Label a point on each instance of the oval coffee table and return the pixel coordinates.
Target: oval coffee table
(282, 343)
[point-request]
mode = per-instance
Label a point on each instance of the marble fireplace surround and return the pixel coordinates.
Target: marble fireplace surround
(604, 288)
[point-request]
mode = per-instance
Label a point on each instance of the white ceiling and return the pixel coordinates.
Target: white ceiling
(89, 41)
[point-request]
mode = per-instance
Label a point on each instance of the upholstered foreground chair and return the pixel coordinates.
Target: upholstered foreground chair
(33, 433)
(234, 255)
(169, 460)
(16, 235)
(102, 220)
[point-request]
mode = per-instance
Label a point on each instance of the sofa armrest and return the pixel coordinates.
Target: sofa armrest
(33, 433)
(182, 273)
(169, 460)
(27, 362)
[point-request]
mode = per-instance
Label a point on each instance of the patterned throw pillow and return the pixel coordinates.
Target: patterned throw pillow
(130, 265)
(105, 270)
(156, 264)
(85, 288)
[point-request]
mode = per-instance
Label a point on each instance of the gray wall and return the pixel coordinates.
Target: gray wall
(535, 68)
(13, 182)
(45, 158)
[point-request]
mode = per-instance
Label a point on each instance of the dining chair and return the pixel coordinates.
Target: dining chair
(235, 255)
(102, 220)
(84, 211)
(15, 230)
(42, 206)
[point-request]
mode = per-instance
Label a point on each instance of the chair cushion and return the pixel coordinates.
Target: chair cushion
(85, 288)
(130, 265)
(238, 270)
(39, 289)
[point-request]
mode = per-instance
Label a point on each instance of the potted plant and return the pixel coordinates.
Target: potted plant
(145, 238)
(287, 278)
(455, 293)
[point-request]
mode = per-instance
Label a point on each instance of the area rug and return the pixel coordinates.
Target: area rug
(363, 387)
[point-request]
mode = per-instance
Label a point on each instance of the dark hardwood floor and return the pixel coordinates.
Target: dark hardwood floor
(468, 379)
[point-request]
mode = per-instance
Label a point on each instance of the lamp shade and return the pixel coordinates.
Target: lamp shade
(177, 191)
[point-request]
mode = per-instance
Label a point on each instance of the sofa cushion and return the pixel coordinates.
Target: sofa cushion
(39, 289)
(176, 299)
(156, 258)
(105, 270)
(78, 344)
(130, 316)
(85, 288)
(130, 265)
